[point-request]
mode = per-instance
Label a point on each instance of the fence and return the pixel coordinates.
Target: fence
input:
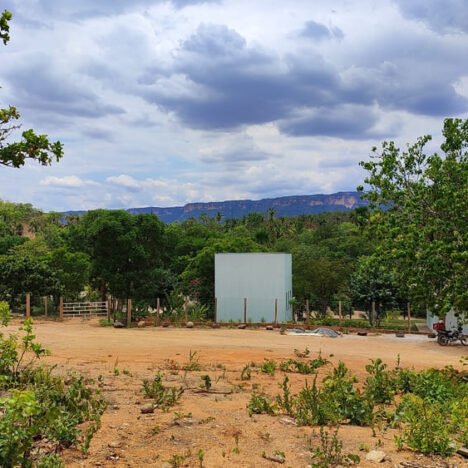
(77, 309)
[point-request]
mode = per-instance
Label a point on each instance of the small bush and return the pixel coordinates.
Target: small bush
(260, 404)
(268, 367)
(330, 453)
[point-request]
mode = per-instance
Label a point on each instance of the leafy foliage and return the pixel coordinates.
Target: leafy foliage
(163, 396)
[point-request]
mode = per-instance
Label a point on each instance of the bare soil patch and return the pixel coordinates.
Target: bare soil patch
(218, 423)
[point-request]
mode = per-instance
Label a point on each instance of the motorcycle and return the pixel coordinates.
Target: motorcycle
(446, 337)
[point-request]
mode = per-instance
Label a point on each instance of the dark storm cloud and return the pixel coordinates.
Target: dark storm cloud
(239, 85)
(36, 85)
(319, 31)
(440, 15)
(349, 122)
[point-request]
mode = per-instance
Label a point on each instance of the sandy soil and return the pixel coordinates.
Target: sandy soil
(124, 358)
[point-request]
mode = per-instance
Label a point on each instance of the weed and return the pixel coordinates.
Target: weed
(246, 373)
(302, 354)
(206, 382)
(236, 448)
(193, 364)
(268, 367)
(330, 453)
(286, 401)
(177, 460)
(162, 396)
(260, 404)
(201, 457)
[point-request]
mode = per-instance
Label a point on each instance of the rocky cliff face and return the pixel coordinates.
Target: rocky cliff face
(284, 206)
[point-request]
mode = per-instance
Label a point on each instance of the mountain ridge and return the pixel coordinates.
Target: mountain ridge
(292, 205)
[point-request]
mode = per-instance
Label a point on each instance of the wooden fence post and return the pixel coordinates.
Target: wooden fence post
(46, 306)
(245, 310)
(109, 307)
(339, 311)
(28, 305)
(307, 309)
(61, 308)
(373, 314)
(276, 310)
(129, 312)
(409, 317)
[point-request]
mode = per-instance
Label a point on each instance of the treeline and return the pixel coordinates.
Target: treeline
(111, 252)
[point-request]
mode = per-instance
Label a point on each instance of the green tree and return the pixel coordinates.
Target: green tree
(31, 146)
(71, 269)
(420, 217)
(373, 281)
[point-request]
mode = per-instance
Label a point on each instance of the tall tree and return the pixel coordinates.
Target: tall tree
(420, 216)
(31, 146)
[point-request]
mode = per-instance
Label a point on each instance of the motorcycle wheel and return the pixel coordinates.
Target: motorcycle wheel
(464, 340)
(443, 340)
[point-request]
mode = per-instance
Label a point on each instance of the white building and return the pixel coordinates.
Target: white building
(252, 286)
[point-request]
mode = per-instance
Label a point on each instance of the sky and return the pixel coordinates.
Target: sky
(166, 102)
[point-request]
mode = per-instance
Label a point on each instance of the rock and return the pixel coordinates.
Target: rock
(463, 451)
(147, 409)
(269, 327)
(215, 325)
(400, 335)
(165, 324)
(376, 456)
(141, 324)
(184, 422)
(189, 325)
(118, 325)
(114, 444)
(242, 326)
(288, 421)
(361, 333)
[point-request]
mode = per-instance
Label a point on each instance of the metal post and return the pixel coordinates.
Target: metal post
(245, 310)
(129, 312)
(28, 305)
(61, 308)
(216, 310)
(276, 310)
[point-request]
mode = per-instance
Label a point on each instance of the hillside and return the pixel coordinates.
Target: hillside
(283, 206)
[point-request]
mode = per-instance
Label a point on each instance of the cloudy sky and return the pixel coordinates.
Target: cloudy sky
(164, 102)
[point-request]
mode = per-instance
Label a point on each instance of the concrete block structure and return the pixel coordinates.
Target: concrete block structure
(253, 287)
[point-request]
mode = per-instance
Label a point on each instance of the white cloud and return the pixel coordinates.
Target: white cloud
(65, 181)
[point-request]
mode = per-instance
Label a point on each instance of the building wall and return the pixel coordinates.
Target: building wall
(451, 321)
(258, 277)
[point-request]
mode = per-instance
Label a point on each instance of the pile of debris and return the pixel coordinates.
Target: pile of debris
(321, 331)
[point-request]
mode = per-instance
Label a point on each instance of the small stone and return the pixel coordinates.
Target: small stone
(242, 326)
(269, 327)
(215, 325)
(376, 456)
(189, 325)
(183, 422)
(118, 325)
(288, 421)
(147, 409)
(114, 444)
(141, 324)
(116, 407)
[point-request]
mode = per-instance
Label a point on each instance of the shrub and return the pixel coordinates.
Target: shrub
(426, 429)
(380, 386)
(268, 367)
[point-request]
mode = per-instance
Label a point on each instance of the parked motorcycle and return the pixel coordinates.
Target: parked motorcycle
(446, 337)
